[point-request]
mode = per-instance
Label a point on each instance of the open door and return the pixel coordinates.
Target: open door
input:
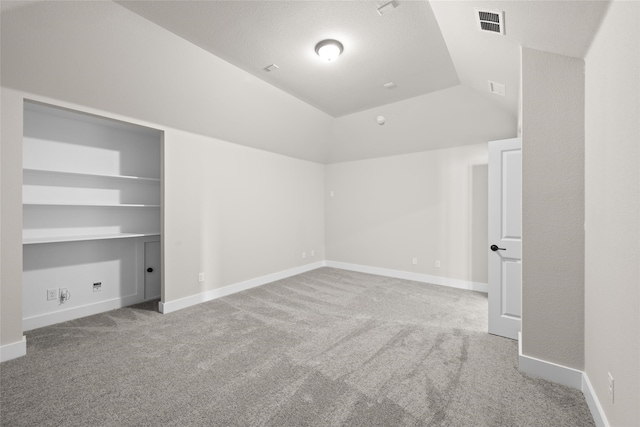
(505, 237)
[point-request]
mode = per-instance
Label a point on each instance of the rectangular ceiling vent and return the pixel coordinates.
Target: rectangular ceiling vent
(491, 21)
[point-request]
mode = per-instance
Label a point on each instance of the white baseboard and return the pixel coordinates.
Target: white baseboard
(41, 320)
(594, 404)
(13, 350)
(171, 306)
(416, 277)
(566, 376)
(547, 370)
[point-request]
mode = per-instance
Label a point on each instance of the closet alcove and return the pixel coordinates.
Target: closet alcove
(91, 214)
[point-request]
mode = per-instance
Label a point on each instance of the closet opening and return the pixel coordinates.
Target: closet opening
(91, 214)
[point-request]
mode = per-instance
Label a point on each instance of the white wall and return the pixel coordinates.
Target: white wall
(612, 211)
(235, 213)
(430, 205)
(553, 208)
(118, 264)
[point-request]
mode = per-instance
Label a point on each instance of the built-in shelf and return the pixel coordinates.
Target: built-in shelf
(86, 205)
(88, 175)
(60, 239)
(92, 195)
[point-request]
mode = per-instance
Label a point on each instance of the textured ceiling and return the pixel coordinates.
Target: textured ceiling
(404, 46)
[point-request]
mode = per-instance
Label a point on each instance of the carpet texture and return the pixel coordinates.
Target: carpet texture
(325, 348)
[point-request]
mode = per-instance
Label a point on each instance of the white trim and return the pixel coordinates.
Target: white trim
(566, 376)
(593, 403)
(34, 322)
(416, 277)
(547, 370)
(179, 304)
(13, 350)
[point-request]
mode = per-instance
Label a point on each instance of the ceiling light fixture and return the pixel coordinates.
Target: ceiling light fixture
(329, 50)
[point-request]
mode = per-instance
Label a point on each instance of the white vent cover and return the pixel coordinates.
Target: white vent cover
(387, 7)
(497, 88)
(490, 21)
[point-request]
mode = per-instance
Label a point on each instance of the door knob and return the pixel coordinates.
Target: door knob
(149, 270)
(496, 248)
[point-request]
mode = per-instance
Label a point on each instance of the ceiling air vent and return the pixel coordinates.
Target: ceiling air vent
(491, 21)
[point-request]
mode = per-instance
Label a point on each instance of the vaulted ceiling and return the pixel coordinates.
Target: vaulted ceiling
(433, 52)
(421, 46)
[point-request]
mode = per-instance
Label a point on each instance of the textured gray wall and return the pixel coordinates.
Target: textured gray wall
(553, 208)
(11, 220)
(612, 211)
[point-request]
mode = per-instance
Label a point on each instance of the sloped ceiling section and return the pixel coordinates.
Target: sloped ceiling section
(100, 55)
(562, 27)
(404, 46)
(448, 118)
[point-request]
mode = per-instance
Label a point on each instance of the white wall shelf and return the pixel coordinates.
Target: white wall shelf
(88, 175)
(91, 205)
(61, 239)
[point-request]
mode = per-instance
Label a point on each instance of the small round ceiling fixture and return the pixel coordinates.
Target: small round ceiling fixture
(381, 120)
(329, 50)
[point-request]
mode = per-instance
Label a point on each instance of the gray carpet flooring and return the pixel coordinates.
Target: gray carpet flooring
(325, 348)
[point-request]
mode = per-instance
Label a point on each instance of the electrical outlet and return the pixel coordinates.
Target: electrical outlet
(611, 386)
(438, 263)
(97, 286)
(313, 252)
(200, 277)
(52, 294)
(415, 261)
(304, 254)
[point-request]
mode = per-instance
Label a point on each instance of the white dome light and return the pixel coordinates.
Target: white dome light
(329, 50)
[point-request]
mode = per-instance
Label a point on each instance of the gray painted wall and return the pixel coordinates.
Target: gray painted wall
(553, 208)
(612, 211)
(11, 219)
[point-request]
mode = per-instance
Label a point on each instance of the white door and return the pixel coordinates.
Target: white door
(505, 231)
(152, 282)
